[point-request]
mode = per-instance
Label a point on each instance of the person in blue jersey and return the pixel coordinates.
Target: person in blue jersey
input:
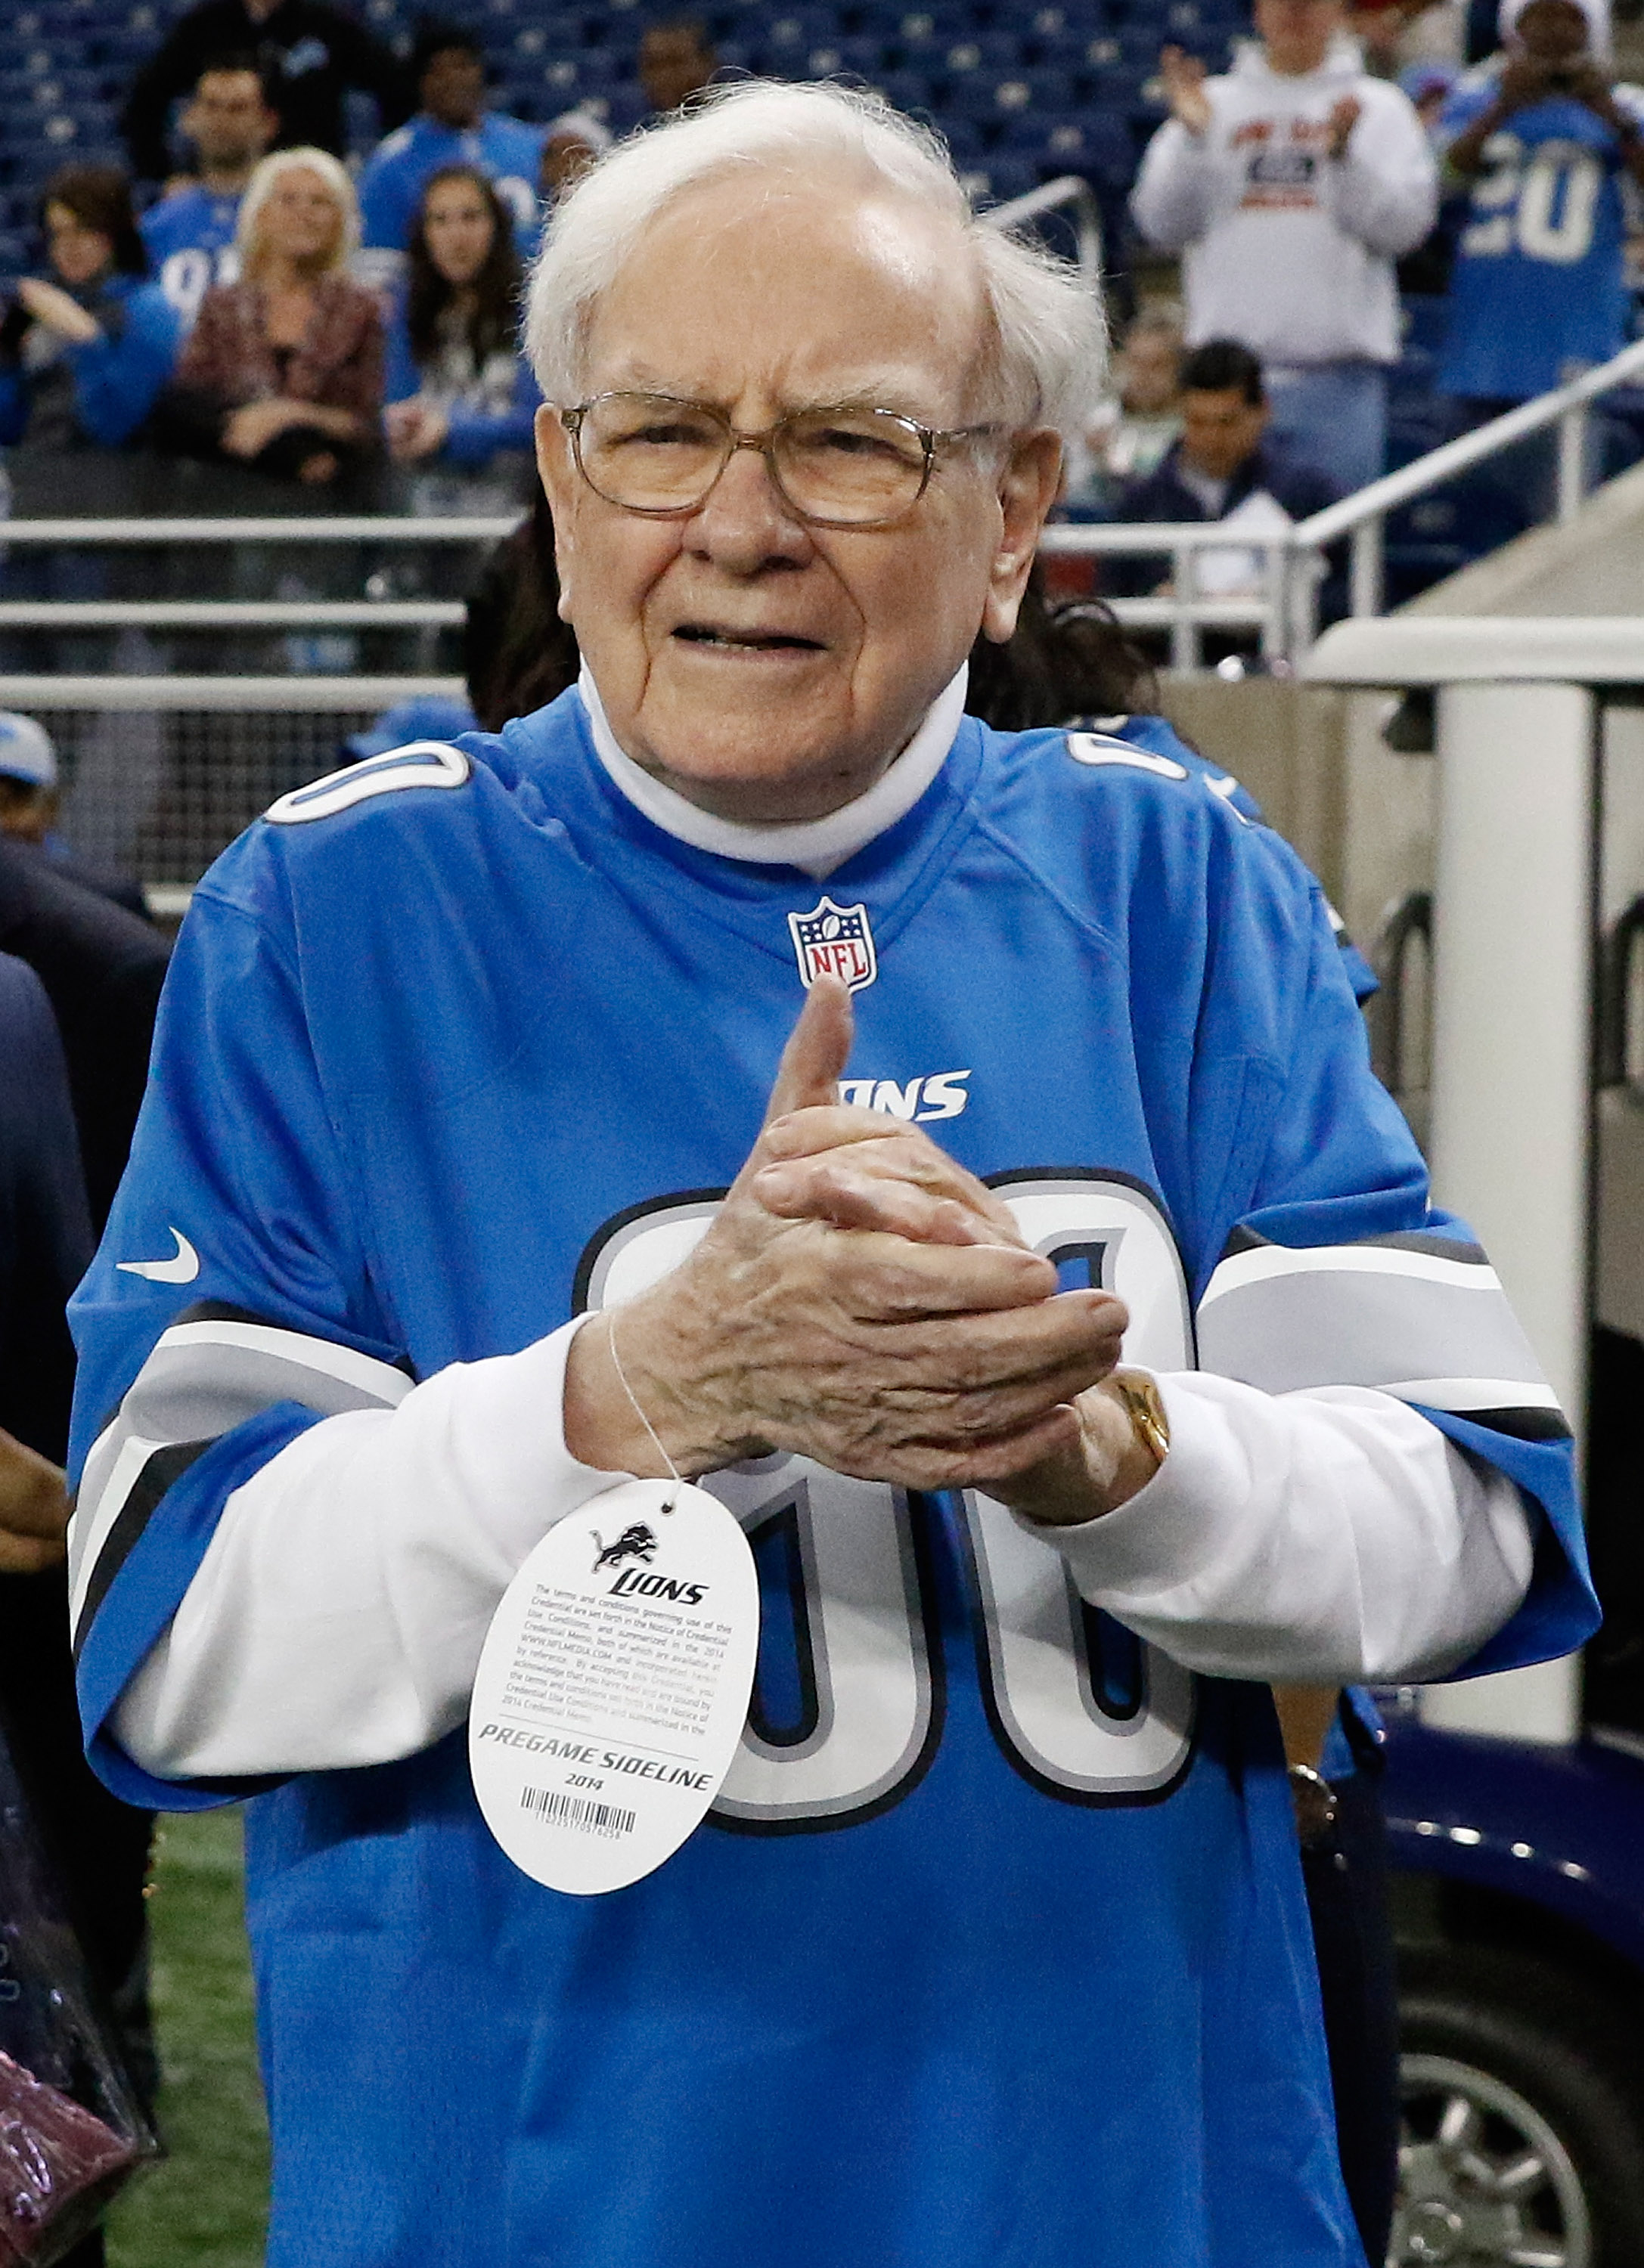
(189, 231)
(1060, 1310)
(459, 397)
(84, 353)
(1547, 144)
(452, 127)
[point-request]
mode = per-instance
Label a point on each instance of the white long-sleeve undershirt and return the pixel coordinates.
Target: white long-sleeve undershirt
(337, 1616)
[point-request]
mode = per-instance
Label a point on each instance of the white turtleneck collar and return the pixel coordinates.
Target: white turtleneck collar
(816, 846)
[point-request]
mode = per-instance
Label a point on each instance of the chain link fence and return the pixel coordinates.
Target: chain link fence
(158, 775)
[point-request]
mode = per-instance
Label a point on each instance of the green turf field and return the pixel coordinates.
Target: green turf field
(206, 2205)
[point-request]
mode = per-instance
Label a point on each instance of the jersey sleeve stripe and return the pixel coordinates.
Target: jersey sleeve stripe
(208, 1373)
(1432, 1329)
(160, 1470)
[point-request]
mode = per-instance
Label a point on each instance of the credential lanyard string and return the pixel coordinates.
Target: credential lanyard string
(674, 1473)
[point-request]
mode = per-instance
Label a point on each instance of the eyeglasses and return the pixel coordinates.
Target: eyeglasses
(651, 454)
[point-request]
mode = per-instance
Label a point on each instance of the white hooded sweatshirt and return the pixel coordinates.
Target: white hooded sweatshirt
(1289, 250)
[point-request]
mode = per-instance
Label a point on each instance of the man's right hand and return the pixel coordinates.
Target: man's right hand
(33, 1510)
(1183, 78)
(943, 1362)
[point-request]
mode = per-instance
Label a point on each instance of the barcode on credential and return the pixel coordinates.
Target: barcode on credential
(577, 1811)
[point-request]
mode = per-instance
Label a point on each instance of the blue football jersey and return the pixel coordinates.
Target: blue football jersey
(1538, 292)
(992, 1953)
(190, 240)
(506, 149)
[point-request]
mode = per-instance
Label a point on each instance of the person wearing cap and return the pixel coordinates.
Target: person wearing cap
(1291, 185)
(1543, 142)
(452, 127)
(28, 810)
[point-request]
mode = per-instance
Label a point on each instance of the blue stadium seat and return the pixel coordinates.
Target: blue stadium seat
(908, 90)
(854, 58)
(1011, 93)
(793, 31)
(993, 52)
(999, 179)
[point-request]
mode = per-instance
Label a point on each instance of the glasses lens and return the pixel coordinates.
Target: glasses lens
(850, 465)
(650, 453)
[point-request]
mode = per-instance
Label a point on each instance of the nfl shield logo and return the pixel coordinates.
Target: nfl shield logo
(833, 940)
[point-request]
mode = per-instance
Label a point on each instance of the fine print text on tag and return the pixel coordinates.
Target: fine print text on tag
(613, 1685)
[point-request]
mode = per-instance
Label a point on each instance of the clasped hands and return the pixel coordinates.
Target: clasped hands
(862, 1299)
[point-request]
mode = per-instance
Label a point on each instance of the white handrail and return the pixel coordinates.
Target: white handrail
(473, 528)
(1068, 189)
(314, 695)
(231, 613)
(1452, 457)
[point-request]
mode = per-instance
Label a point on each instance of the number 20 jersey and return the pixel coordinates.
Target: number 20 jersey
(1538, 292)
(993, 1954)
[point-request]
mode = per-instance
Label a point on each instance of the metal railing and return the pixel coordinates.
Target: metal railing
(1067, 193)
(1295, 558)
(1281, 610)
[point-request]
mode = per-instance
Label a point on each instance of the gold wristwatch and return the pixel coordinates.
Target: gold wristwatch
(1144, 1405)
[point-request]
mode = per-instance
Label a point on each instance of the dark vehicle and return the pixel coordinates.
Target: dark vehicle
(1519, 1905)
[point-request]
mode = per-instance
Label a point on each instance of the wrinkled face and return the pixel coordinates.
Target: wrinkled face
(1552, 30)
(1220, 429)
(453, 87)
(299, 220)
(228, 122)
(78, 254)
(1296, 33)
(458, 229)
(673, 63)
(766, 668)
(1148, 373)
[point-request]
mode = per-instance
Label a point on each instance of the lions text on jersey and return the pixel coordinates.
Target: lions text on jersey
(1538, 292)
(994, 1949)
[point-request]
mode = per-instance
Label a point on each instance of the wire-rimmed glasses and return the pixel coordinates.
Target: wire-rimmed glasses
(654, 454)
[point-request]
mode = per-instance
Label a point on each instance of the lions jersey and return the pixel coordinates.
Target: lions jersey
(190, 240)
(1538, 292)
(992, 1953)
(398, 170)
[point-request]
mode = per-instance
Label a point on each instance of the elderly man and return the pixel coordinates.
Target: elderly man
(992, 1947)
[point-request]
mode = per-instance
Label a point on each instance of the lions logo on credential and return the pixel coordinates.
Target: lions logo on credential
(635, 1543)
(833, 940)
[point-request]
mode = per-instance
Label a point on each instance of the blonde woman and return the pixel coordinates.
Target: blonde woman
(284, 369)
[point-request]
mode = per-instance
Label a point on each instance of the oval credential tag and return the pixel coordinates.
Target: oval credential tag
(613, 1685)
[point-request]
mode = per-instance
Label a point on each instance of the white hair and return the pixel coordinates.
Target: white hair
(261, 186)
(1044, 362)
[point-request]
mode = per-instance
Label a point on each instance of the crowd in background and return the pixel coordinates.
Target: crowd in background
(271, 308)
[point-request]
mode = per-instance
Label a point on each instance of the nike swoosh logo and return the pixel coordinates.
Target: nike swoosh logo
(182, 1269)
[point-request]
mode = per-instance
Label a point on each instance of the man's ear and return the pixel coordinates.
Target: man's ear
(1028, 488)
(557, 470)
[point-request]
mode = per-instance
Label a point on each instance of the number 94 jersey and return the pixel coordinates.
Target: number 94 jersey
(993, 1954)
(1538, 292)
